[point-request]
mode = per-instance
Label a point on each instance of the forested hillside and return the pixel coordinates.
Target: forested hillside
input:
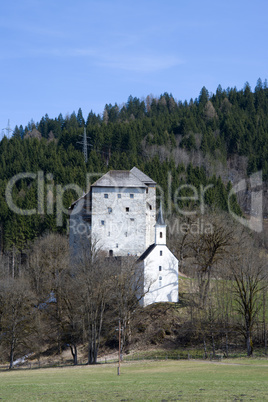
(204, 141)
(198, 150)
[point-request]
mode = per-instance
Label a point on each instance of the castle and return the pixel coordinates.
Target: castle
(118, 216)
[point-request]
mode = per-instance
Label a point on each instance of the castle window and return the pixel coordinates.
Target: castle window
(131, 195)
(106, 195)
(132, 219)
(110, 210)
(116, 245)
(161, 252)
(160, 268)
(127, 209)
(102, 223)
(118, 195)
(110, 253)
(161, 235)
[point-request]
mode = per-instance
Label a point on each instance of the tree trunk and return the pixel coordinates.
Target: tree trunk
(264, 322)
(226, 345)
(204, 287)
(205, 348)
(89, 359)
(11, 356)
(213, 345)
(90, 350)
(92, 344)
(74, 353)
(249, 343)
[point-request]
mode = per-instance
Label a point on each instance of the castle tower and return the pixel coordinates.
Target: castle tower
(118, 214)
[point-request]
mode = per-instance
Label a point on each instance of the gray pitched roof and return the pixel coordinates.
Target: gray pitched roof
(142, 176)
(119, 178)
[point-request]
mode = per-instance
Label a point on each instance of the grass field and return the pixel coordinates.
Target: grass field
(235, 380)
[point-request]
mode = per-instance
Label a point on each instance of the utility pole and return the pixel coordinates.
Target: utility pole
(85, 145)
(119, 347)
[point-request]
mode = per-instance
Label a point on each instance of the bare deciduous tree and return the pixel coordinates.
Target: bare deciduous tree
(201, 245)
(129, 287)
(249, 274)
(17, 307)
(94, 278)
(46, 269)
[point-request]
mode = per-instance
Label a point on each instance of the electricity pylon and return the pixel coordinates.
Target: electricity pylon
(85, 144)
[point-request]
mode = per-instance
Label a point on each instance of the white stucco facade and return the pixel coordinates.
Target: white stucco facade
(160, 269)
(122, 223)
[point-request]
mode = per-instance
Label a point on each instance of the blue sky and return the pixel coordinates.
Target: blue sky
(57, 56)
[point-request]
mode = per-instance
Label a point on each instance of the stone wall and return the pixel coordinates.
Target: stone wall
(119, 219)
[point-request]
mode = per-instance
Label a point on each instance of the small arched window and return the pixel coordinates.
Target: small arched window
(161, 235)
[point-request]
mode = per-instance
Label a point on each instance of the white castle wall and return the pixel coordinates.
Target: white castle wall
(150, 216)
(116, 228)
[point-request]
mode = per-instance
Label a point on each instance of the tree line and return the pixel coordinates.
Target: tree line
(228, 122)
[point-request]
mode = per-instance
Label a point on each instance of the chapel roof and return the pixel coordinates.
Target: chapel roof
(147, 252)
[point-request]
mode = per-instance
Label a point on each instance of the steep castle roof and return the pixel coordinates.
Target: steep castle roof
(142, 176)
(118, 178)
(124, 178)
(133, 178)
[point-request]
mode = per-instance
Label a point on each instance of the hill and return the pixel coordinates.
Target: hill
(215, 139)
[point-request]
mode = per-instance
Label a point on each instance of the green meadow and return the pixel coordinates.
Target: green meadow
(240, 380)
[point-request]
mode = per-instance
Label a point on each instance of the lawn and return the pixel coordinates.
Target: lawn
(140, 381)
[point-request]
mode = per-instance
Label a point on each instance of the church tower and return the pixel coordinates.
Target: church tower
(160, 229)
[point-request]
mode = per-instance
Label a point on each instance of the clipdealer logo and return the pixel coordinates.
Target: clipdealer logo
(50, 197)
